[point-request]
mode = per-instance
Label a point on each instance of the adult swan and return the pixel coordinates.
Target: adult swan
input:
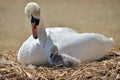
(37, 48)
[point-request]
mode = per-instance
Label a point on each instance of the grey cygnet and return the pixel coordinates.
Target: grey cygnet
(62, 59)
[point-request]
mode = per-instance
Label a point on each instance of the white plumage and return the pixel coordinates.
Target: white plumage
(31, 52)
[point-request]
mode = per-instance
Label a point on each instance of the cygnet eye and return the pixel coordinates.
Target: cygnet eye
(51, 55)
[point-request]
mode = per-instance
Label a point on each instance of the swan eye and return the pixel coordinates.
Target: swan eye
(34, 20)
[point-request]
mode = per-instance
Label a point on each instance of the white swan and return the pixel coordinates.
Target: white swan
(86, 46)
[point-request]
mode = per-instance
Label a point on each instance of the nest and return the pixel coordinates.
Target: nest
(107, 68)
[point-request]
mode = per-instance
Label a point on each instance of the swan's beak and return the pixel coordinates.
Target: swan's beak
(34, 30)
(34, 23)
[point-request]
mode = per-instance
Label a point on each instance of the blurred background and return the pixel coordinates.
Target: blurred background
(99, 16)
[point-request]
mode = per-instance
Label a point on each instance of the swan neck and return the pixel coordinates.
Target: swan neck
(42, 33)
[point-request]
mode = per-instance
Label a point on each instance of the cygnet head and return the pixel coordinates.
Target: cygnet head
(32, 10)
(55, 58)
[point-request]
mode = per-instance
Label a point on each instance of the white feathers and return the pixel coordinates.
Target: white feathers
(31, 52)
(32, 8)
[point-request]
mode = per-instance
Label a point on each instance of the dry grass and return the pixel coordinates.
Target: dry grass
(107, 68)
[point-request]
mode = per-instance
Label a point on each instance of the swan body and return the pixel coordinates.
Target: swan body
(37, 48)
(85, 46)
(31, 52)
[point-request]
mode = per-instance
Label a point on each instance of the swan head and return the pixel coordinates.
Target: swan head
(32, 10)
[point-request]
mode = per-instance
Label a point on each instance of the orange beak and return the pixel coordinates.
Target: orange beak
(34, 30)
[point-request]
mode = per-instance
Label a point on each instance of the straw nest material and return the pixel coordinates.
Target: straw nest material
(107, 68)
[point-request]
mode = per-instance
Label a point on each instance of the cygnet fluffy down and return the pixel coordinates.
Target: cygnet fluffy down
(62, 59)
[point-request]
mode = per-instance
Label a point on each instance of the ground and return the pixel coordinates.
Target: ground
(99, 16)
(108, 68)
